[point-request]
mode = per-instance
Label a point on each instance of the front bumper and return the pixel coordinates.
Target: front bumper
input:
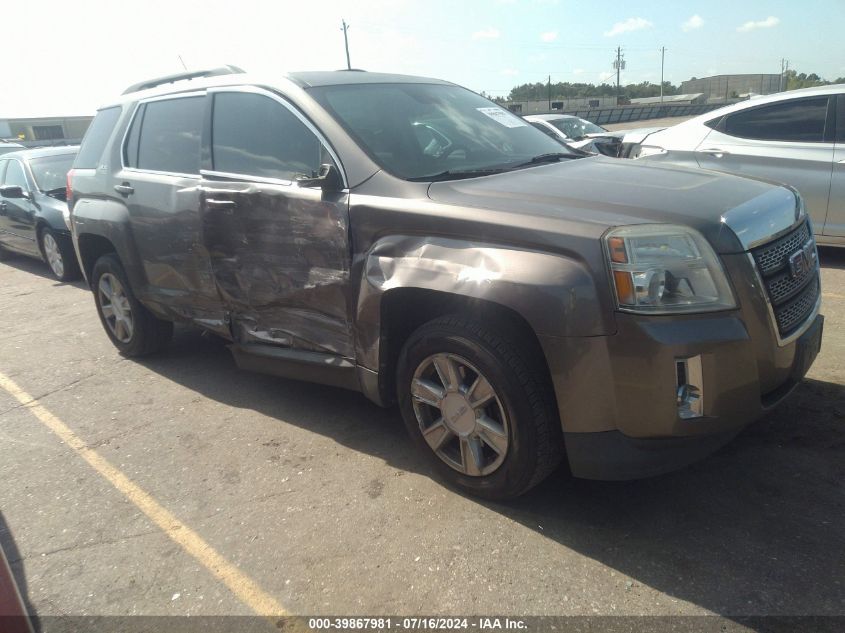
(617, 395)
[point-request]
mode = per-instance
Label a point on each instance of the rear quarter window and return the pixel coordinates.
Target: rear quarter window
(96, 138)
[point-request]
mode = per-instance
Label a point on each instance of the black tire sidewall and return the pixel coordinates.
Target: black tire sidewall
(111, 264)
(71, 267)
(516, 472)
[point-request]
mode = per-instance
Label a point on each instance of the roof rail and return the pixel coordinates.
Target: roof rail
(195, 74)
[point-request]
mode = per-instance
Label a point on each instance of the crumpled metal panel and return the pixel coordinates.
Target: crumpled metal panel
(555, 294)
(281, 261)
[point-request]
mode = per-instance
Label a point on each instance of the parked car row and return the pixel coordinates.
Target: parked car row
(522, 302)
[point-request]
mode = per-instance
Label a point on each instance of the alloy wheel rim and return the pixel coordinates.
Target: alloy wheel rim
(460, 415)
(115, 307)
(54, 255)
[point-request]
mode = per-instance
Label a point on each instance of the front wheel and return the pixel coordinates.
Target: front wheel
(479, 406)
(133, 329)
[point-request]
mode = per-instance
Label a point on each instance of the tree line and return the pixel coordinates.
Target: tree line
(539, 91)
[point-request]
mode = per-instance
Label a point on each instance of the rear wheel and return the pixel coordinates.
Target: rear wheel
(133, 329)
(59, 253)
(479, 406)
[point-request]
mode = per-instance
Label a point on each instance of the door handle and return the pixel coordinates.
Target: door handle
(221, 204)
(714, 152)
(124, 189)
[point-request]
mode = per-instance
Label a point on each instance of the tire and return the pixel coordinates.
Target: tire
(144, 333)
(58, 252)
(522, 408)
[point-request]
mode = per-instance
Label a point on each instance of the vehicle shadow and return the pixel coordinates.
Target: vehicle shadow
(756, 529)
(8, 596)
(37, 267)
(832, 257)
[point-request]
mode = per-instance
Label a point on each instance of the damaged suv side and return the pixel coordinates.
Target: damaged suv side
(406, 238)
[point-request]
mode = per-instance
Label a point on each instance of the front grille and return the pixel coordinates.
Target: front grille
(792, 297)
(774, 256)
(792, 314)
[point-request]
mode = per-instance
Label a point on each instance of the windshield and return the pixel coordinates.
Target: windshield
(420, 131)
(50, 172)
(576, 128)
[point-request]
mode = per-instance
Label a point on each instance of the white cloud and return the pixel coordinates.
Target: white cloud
(768, 23)
(631, 24)
(548, 36)
(695, 22)
(578, 71)
(489, 33)
(510, 72)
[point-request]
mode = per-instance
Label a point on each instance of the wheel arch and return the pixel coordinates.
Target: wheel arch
(90, 247)
(403, 310)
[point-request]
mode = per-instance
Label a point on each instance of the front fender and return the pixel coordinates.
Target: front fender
(555, 294)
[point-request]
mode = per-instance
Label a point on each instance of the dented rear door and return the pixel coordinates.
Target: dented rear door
(279, 252)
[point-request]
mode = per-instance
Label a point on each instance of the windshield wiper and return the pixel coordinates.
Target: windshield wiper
(458, 174)
(552, 157)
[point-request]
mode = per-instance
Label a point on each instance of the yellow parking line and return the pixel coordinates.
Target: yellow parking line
(244, 588)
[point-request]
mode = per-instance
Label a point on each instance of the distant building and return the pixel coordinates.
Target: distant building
(726, 87)
(559, 103)
(45, 130)
(687, 99)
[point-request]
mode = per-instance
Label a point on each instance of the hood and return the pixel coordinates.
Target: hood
(607, 192)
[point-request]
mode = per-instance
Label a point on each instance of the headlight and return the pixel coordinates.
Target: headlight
(648, 150)
(666, 269)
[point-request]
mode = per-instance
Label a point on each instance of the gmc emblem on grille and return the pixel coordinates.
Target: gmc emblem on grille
(803, 261)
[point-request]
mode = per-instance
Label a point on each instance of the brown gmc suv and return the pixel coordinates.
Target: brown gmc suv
(406, 238)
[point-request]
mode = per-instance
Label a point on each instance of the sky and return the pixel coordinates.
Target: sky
(68, 58)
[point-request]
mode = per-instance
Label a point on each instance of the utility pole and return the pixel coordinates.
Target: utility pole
(662, 58)
(783, 84)
(550, 93)
(618, 65)
(345, 28)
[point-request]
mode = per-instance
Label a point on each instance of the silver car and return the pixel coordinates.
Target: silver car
(577, 132)
(795, 137)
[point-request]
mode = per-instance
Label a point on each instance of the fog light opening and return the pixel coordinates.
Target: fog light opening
(689, 387)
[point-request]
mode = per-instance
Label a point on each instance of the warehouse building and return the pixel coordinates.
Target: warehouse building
(726, 87)
(33, 132)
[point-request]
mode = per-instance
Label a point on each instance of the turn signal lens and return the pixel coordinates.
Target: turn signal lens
(616, 246)
(624, 287)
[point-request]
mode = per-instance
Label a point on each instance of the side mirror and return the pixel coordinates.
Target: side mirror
(13, 191)
(328, 180)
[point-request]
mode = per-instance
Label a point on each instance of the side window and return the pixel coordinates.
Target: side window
(799, 120)
(255, 135)
(15, 175)
(96, 137)
(170, 133)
